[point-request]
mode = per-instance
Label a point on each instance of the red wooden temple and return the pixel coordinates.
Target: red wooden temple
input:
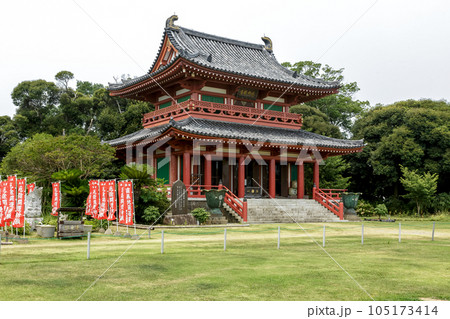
(222, 117)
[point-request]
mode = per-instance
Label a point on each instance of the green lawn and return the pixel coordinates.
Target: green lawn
(195, 266)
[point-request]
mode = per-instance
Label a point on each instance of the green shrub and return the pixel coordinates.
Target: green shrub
(381, 210)
(48, 219)
(441, 203)
(96, 224)
(364, 208)
(397, 206)
(19, 231)
(201, 214)
(151, 215)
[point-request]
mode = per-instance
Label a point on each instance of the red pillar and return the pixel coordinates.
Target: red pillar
(241, 177)
(272, 178)
(186, 168)
(173, 169)
(300, 181)
(316, 173)
(155, 168)
(208, 171)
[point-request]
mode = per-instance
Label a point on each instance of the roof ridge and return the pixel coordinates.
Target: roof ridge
(221, 39)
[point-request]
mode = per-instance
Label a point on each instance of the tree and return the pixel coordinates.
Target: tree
(88, 88)
(118, 116)
(37, 103)
(8, 135)
(63, 78)
(411, 133)
(420, 187)
(316, 121)
(42, 155)
(340, 108)
(74, 189)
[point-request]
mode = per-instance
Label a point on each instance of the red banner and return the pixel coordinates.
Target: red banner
(103, 210)
(112, 201)
(121, 189)
(19, 219)
(56, 198)
(31, 187)
(126, 205)
(11, 199)
(88, 205)
(3, 201)
(129, 205)
(93, 198)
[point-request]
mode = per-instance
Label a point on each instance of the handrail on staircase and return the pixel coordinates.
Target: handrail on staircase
(330, 199)
(236, 204)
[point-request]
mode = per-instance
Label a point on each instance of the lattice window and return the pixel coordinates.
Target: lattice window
(214, 99)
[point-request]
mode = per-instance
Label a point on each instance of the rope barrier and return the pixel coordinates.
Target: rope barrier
(341, 226)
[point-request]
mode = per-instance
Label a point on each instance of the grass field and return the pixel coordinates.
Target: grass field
(196, 267)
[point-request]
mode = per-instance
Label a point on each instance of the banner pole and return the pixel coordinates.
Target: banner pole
(116, 188)
(15, 208)
(24, 206)
(134, 213)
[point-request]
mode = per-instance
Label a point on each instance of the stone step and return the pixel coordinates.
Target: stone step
(288, 211)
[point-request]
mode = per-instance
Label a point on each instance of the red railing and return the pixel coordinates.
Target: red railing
(330, 199)
(210, 110)
(234, 202)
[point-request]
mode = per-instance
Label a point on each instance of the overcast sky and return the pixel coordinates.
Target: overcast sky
(394, 50)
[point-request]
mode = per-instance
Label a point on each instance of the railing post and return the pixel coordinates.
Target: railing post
(341, 210)
(244, 210)
(89, 245)
(279, 231)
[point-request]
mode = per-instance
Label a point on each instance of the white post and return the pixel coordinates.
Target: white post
(89, 246)
(432, 234)
(323, 241)
(149, 232)
(225, 239)
(162, 241)
(279, 237)
(362, 234)
(0, 244)
(399, 232)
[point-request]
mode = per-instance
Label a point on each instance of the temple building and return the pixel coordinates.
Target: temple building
(222, 117)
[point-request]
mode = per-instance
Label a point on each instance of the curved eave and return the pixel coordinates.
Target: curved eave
(170, 130)
(168, 72)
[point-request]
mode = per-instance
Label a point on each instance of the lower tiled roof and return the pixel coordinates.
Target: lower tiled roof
(238, 131)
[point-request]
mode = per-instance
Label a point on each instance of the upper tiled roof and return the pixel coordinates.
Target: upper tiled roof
(238, 131)
(231, 56)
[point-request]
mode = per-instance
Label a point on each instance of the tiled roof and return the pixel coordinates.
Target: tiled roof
(230, 130)
(231, 56)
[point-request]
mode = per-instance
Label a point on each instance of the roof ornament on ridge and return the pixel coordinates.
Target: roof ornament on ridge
(267, 44)
(170, 23)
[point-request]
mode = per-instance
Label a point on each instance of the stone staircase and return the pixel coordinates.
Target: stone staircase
(262, 211)
(231, 215)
